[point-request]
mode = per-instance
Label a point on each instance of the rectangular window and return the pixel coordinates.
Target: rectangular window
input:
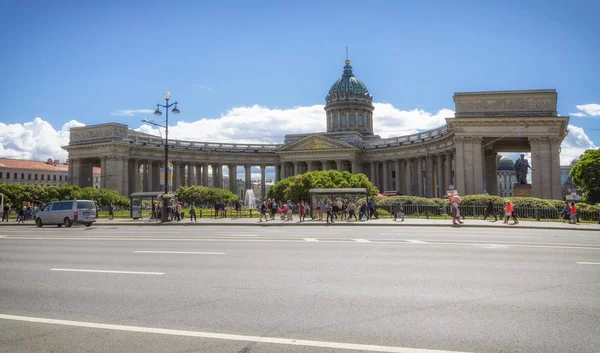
(96, 179)
(22, 176)
(42, 176)
(7, 175)
(60, 177)
(54, 177)
(344, 120)
(1, 175)
(48, 177)
(15, 176)
(28, 176)
(66, 178)
(35, 177)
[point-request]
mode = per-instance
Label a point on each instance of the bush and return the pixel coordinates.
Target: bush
(405, 200)
(202, 195)
(16, 194)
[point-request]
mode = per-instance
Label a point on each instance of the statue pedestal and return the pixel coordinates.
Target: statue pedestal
(522, 190)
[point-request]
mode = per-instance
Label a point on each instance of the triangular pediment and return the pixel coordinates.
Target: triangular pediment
(316, 143)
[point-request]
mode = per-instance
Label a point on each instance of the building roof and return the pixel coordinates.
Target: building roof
(348, 83)
(506, 164)
(36, 165)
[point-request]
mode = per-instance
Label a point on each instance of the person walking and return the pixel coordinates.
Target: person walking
(455, 210)
(320, 207)
(301, 211)
(509, 211)
(111, 211)
(193, 212)
(307, 212)
(566, 212)
(398, 212)
(289, 211)
(273, 209)
(263, 212)
(178, 211)
(490, 210)
(6, 212)
(329, 211)
(352, 210)
(573, 213)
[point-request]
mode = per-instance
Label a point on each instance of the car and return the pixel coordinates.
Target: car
(67, 212)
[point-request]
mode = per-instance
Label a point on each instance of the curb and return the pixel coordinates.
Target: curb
(315, 224)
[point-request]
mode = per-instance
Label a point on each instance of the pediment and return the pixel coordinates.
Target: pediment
(316, 143)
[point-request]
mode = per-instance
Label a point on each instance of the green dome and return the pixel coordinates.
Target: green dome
(348, 83)
(506, 164)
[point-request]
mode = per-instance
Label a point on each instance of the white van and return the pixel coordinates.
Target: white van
(67, 212)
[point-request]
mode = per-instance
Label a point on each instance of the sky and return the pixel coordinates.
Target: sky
(255, 71)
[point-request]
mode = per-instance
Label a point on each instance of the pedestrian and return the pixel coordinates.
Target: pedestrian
(566, 212)
(573, 213)
(217, 208)
(153, 214)
(193, 212)
(490, 210)
(352, 210)
(178, 211)
(301, 211)
(6, 212)
(289, 210)
(159, 211)
(274, 209)
(455, 210)
(329, 211)
(509, 211)
(263, 212)
(398, 211)
(111, 211)
(21, 215)
(320, 209)
(238, 209)
(307, 211)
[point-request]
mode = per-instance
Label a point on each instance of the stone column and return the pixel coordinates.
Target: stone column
(248, 177)
(491, 172)
(263, 183)
(448, 169)
(136, 176)
(339, 164)
(459, 171)
(175, 178)
(219, 175)
(190, 174)
(233, 178)
(478, 167)
(378, 181)
(440, 175)
(296, 168)
(150, 175)
(386, 176)
(430, 181)
(355, 167)
(103, 172)
(536, 164)
(182, 174)
(277, 172)
(156, 175)
(555, 168)
(198, 174)
(372, 178)
(74, 170)
(205, 174)
(125, 176)
(420, 177)
(309, 166)
(409, 178)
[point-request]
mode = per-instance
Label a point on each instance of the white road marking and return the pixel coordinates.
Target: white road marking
(106, 271)
(178, 252)
(311, 239)
(416, 241)
(362, 240)
(224, 336)
(589, 263)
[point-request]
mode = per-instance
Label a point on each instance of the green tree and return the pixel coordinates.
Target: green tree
(296, 187)
(586, 175)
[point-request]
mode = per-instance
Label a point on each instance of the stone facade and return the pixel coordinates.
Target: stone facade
(462, 154)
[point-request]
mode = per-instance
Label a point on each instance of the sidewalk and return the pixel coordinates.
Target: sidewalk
(409, 222)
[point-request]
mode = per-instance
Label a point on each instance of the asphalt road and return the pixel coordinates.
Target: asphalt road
(298, 289)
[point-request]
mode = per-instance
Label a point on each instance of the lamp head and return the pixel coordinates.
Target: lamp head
(167, 95)
(175, 110)
(157, 111)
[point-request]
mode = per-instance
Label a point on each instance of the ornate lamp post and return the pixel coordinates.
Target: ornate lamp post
(157, 112)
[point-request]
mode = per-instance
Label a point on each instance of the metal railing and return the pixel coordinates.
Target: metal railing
(406, 140)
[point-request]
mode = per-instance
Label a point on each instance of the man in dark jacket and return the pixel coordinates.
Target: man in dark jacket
(490, 210)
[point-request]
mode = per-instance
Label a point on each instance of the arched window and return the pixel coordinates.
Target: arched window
(343, 119)
(360, 120)
(366, 120)
(352, 120)
(335, 121)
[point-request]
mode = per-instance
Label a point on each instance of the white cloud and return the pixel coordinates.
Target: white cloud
(574, 144)
(587, 110)
(258, 124)
(36, 140)
(206, 88)
(132, 112)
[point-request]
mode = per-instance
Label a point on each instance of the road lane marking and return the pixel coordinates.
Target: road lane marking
(361, 240)
(589, 263)
(106, 271)
(225, 336)
(416, 241)
(178, 252)
(311, 239)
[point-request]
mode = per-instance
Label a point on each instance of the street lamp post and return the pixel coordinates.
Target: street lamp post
(157, 112)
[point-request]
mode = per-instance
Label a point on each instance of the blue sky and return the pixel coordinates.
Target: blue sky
(231, 62)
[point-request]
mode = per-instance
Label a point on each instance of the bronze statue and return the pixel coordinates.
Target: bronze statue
(521, 167)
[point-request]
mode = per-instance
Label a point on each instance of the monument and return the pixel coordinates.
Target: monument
(522, 188)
